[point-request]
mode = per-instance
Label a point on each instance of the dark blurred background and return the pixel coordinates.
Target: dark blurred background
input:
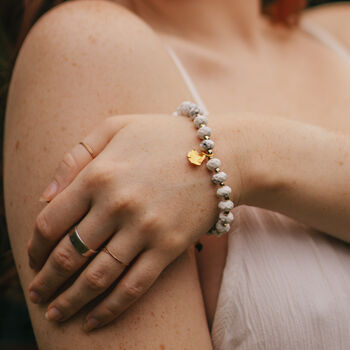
(15, 328)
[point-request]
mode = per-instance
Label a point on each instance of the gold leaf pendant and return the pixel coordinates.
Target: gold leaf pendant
(195, 157)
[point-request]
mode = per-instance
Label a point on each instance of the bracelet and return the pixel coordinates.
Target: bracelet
(200, 119)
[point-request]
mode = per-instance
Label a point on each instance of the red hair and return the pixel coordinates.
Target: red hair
(284, 11)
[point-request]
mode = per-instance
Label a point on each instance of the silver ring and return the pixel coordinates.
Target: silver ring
(79, 244)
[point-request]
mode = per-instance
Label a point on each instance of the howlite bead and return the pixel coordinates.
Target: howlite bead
(223, 191)
(204, 131)
(226, 218)
(219, 177)
(226, 205)
(221, 228)
(200, 119)
(213, 163)
(207, 145)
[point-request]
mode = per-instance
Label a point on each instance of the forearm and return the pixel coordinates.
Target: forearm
(297, 169)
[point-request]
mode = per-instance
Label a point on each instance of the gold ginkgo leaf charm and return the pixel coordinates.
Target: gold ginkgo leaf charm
(195, 157)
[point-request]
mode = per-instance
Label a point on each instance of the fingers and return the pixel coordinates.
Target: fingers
(80, 155)
(55, 220)
(100, 274)
(65, 260)
(130, 288)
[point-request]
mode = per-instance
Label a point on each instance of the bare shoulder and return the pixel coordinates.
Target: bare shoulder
(95, 48)
(333, 17)
(76, 21)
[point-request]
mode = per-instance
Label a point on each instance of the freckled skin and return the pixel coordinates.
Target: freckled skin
(62, 104)
(80, 93)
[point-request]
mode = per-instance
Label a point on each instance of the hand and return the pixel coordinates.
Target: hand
(139, 196)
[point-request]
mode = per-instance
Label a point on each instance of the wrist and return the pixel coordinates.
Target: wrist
(244, 140)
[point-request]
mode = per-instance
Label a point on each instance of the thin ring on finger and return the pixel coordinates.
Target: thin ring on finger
(106, 250)
(64, 260)
(131, 287)
(98, 276)
(88, 148)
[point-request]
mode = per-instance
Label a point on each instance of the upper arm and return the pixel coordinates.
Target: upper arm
(335, 18)
(80, 63)
(92, 57)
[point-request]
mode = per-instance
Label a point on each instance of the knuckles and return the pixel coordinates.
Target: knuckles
(96, 280)
(132, 290)
(69, 162)
(123, 202)
(152, 222)
(99, 174)
(174, 242)
(62, 262)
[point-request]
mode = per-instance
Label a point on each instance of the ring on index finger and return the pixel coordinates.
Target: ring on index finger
(80, 245)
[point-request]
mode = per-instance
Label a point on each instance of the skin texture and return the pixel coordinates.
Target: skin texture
(266, 147)
(58, 85)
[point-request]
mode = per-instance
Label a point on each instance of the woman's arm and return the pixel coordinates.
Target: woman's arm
(83, 62)
(297, 169)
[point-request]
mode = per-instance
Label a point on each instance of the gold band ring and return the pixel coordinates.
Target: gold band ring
(105, 249)
(88, 148)
(79, 244)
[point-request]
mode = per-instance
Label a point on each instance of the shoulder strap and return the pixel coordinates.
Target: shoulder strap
(326, 38)
(187, 78)
(309, 27)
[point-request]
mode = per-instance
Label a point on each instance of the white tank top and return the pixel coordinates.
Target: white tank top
(285, 286)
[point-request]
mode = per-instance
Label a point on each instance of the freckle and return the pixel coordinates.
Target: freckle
(152, 313)
(19, 266)
(341, 163)
(17, 145)
(92, 39)
(162, 347)
(63, 128)
(74, 64)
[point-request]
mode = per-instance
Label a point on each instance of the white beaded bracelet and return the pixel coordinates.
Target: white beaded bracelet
(200, 119)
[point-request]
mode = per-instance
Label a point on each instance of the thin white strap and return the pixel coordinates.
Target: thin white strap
(309, 27)
(187, 79)
(326, 38)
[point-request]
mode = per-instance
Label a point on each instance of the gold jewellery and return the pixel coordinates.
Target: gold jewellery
(88, 148)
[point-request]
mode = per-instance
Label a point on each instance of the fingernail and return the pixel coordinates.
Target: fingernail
(90, 324)
(53, 314)
(34, 297)
(49, 192)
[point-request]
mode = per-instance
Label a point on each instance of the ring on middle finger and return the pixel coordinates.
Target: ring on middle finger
(106, 250)
(80, 245)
